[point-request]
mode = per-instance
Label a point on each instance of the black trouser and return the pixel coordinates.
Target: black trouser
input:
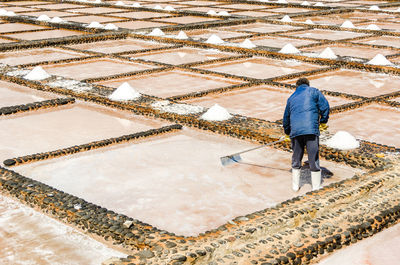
(311, 142)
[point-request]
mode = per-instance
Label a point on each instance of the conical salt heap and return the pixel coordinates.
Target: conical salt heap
(347, 24)
(211, 13)
(319, 4)
(327, 53)
(216, 113)
(95, 24)
(182, 35)
(169, 8)
(124, 92)
(37, 73)
(373, 27)
(375, 8)
(289, 49)
(282, 2)
(309, 22)
(156, 32)
(119, 3)
(3, 12)
(223, 13)
(379, 59)
(43, 18)
(247, 44)
(56, 20)
(305, 3)
(343, 140)
(158, 7)
(110, 26)
(136, 5)
(214, 39)
(286, 18)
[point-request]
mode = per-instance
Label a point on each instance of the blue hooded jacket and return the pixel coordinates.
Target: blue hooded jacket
(305, 109)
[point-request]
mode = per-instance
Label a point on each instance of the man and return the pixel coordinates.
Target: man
(307, 111)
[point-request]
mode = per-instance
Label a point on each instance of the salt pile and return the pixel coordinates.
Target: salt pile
(309, 22)
(214, 39)
(289, 49)
(373, 27)
(223, 13)
(124, 92)
(97, 1)
(37, 73)
(43, 18)
(327, 53)
(379, 59)
(119, 3)
(343, 140)
(286, 18)
(169, 8)
(282, 2)
(216, 113)
(3, 12)
(10, 14)
(156, 32)
(95, 24)
(247, 44)
(305, 3)
(319, 4)
(182, 35)
(347, 24)
(374, 8)
(211, 13)
(136, 5)
(110, 26)
(398, 9)
(56, 20)
(158, 7)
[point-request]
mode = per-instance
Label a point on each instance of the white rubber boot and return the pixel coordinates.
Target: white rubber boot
(295, 179)
(316, 180)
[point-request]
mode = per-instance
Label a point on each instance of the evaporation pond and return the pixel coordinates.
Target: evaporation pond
(30, 237)
(176, 181)
(51, 129)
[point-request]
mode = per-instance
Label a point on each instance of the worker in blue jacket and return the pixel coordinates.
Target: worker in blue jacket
(306, 113)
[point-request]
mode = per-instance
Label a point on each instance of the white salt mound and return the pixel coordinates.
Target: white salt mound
(289, 49)
(124, 92)
(110, 26)
(309, 22)
(374, 8)
(95, 24)
(158, 7)
(247, 44)
(327, 53)
(223, 13)
(136, 5)
(56, 20)
(182, 35)
(211, 13)
(156, 32)
(379, 59)
(286, 18)
(373, 27)
(398, 9)
(319, 4)
(97, 1)
(214, 39)
(3, 11)
(347, 24)
(305, 3)
(43, 18)
(10, 14)
(216, 113)
(169, 8)
(119, 3)
(37, 73)
(343, 140)
(282, 2)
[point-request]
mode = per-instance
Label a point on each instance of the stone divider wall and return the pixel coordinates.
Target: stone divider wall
(51, 103)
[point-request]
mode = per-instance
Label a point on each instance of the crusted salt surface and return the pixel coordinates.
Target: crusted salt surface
(156, 32)
(342, 140)
(247, 44)
(309, 22)
(177, 108)
(37, 73)
(70, 84)
(182, 35)
(56, 20)
(169, 8)
(347, 24)
(286, 18)
(373, 27)
(214, 39)
(124, 92)
(223, 13)
(95, 24)
(43, 18)
(17, 72)
(374, 8)
(211, 13)
(305, 3)
(216, 113)
(327, 53)
(110, 26)
(379, 59)
(289, 49)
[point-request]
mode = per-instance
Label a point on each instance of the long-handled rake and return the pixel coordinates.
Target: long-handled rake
(235, 158)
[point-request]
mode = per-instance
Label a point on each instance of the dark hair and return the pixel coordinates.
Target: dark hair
(302, 81)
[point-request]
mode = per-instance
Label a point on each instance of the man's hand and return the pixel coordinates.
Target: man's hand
(323, 127)
(286, 138)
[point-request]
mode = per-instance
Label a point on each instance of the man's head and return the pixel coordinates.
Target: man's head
(303, 81)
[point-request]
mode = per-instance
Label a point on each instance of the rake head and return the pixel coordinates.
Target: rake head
(227, 160)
